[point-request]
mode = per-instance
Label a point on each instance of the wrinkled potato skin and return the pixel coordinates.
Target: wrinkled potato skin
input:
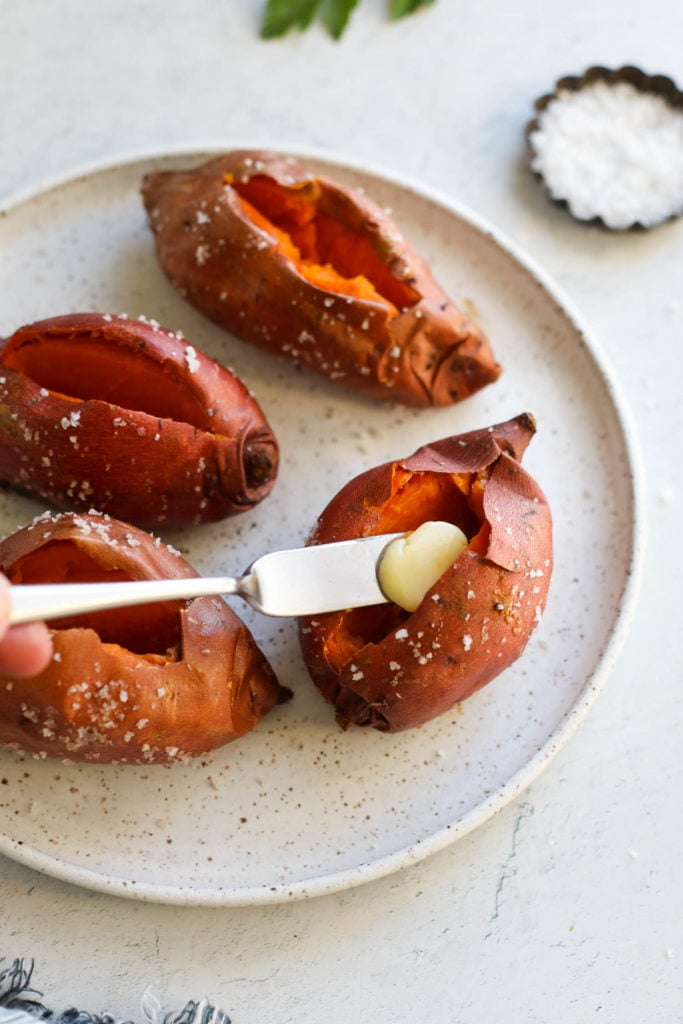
(474, 622)
(427, 354)
(99, 701)
(79, 452)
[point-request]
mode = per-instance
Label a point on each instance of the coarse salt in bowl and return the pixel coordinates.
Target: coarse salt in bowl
(609, 145)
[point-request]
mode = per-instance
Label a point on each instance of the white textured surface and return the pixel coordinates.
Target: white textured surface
(565, 906)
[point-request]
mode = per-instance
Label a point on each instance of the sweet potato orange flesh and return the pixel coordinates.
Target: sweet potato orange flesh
(359, 627)
(419, 497)
(323, 276)
(107, 373)
(328, 252)
(148, 629)
(416, 498)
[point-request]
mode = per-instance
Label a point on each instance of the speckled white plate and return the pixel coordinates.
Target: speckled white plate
(298, 808)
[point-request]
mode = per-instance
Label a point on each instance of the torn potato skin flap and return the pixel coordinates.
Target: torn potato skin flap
(394, 670)
(310, 269)
(154, 684)
(121, 415)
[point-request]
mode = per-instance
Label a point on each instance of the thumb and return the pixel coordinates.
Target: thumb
(5, 604)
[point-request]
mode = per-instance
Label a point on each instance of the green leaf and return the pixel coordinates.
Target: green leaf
(281, 15)
(337, 14)
(399, 8)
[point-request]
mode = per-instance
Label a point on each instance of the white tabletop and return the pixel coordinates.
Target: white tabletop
(565, 906)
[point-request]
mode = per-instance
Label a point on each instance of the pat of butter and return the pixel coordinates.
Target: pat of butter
(412, 564)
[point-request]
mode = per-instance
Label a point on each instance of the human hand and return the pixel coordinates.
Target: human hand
(25, 650)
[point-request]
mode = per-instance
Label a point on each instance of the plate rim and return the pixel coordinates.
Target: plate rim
(503, 795)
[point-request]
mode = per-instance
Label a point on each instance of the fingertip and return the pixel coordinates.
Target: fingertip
(5, 602)
(26, 650)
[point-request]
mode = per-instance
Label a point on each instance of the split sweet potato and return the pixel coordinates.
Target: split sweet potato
(151, 684)
(107, 412)
(308, 268)
(392, 669)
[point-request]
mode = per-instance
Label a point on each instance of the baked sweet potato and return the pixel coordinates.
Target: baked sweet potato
(151, 684)
(308, 268)
(392, 669)
(106, 412)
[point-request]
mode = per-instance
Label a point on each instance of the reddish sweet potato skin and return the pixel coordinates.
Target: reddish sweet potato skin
(100, 701)
(427, 354)
(474, 622)
(173, 438)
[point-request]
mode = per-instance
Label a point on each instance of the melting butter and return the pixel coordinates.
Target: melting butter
(411, 565)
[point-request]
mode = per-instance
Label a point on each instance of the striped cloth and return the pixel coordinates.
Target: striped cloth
(21, 1003)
